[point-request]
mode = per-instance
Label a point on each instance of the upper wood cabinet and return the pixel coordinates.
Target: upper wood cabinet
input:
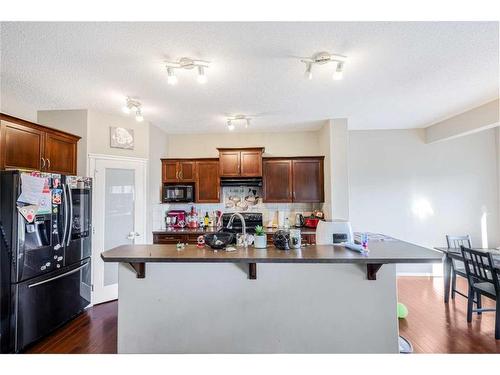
(307, 180)
(26, 145)
(207, 187)
(60, 154)
(178, 170)
(297, 180)
(277, 181)
(240, 162)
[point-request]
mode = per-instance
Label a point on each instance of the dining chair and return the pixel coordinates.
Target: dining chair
(483, 280)
(457, 267)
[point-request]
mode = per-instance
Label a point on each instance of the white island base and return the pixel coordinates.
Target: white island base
(289, 308)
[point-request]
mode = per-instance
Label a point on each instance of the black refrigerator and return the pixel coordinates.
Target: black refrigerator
(45, 268)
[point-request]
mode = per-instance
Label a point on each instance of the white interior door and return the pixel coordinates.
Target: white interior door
(119, 216)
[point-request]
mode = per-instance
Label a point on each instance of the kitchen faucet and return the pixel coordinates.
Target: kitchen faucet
(243, 226)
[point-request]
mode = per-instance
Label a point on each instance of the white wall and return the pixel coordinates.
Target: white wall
(72, 121)
(157, 149)
(98, 134)
(419, 192)
(276, 144)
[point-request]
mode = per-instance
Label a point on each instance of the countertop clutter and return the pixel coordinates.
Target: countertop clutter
(381, 252)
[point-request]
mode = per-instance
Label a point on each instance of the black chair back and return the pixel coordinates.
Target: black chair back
(479, 267)
(454, 242)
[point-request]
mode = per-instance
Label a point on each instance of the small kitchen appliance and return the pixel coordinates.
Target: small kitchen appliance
(177, 193)
(178, 218)
(334, 232)
(299, 220)
(311, 222)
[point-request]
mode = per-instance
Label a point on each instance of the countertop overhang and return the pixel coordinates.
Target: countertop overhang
(381, 252)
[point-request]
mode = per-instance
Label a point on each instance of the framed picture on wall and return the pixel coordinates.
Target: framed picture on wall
(121, 138)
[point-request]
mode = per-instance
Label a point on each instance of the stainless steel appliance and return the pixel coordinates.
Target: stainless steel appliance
(178, 193)
(45, 275)
(252, 219)
(299, 220)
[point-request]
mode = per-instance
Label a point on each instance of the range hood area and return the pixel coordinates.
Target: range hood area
(241, 181)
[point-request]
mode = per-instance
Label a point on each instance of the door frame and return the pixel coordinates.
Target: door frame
(92, 160)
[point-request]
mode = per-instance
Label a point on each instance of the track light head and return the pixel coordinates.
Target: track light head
(308, 73)
(339, 72)
(171, 77)
(202, 77)
(230, 125)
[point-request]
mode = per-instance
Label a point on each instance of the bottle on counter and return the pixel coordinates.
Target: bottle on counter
(206, 219)
(286, 224)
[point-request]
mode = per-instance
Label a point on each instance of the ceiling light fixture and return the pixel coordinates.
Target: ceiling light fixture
(133, 105)
(322, 58)
(188, 64)
(240, 120)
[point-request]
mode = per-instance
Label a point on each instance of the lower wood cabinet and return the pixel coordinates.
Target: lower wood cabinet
(308, 239)
(299, 180)
(175, 238)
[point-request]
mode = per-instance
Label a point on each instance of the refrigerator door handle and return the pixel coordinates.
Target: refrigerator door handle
(66, 208)
(58, 276)
(70, 214)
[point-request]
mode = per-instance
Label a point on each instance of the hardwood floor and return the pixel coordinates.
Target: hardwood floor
(93, 332)
(434, 327)
(431, 326)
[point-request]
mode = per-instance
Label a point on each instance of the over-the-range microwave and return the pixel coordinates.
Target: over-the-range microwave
(177, 193)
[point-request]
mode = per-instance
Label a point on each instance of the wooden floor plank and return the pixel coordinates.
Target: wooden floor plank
(431, 326)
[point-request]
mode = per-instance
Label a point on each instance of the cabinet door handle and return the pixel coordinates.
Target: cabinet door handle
(48, 163)
(43, 163)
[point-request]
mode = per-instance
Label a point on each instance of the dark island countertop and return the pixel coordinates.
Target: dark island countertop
(381, 252)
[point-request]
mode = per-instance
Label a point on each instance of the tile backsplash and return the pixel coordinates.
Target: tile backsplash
(268, 210)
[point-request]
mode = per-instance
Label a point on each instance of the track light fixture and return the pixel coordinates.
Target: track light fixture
(322, 58)
(188, 64)
(242, 120)
(133, 106)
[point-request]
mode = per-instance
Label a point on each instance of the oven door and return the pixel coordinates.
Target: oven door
(45, 303)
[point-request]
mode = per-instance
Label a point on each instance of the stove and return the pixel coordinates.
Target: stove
(252, 219)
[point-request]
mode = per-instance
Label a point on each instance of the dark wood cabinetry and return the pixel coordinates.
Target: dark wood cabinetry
(297, 180)
(203, 173)
(208, 182)
(307, 180)
(178, 170)
(240, 162)
(277, 181)
(26, 145)
(60, 154)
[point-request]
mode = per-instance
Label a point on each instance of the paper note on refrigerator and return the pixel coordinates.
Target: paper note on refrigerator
(32, 189)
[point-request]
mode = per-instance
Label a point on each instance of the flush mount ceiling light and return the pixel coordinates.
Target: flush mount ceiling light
(322, 58)
(133, 106)
(237, 120)
(188, 64)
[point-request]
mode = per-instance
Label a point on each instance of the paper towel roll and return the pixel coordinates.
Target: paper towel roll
(281, 219)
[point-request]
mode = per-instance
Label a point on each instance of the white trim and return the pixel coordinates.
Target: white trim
(117, 157)
(142, 168)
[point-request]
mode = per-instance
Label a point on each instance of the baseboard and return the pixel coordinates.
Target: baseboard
(427, 274)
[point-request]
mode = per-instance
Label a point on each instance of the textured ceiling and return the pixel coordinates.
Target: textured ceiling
(398, 75)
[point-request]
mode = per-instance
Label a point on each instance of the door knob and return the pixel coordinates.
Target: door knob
(131, 235)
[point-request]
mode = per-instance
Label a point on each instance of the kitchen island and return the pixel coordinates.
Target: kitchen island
(318, 299)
